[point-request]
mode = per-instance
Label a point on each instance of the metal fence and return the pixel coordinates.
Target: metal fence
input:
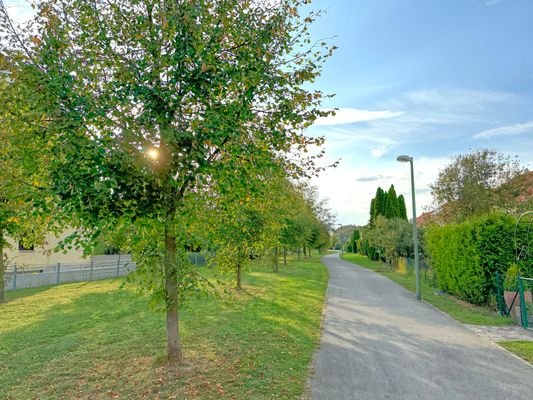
(516, 302)
(97, 267)
(19, 276)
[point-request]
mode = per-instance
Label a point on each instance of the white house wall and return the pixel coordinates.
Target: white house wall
(44, 255)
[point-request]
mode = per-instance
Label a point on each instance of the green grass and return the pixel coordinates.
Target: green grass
(97, 341)
(461, 311)
(522, 349)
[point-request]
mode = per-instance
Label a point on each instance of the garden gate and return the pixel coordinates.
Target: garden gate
(520, 298)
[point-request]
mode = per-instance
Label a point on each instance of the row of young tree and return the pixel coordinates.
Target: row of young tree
(161, 125)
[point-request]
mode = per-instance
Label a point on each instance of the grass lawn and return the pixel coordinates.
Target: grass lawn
(458, 309)
(522, 349)
(97, 341)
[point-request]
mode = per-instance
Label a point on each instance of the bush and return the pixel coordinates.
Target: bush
(466, 256)
(388, 238)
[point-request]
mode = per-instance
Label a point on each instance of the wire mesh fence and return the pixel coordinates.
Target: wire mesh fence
(19, 276)
(426, 272)
(515, 301)
(525, 290)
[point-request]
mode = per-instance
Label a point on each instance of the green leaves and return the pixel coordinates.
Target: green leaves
(467, 186)
(219, 88)
(466, 256)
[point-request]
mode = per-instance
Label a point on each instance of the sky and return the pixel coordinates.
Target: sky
(427, 78)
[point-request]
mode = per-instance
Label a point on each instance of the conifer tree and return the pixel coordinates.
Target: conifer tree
(401, 208)
(391, 204)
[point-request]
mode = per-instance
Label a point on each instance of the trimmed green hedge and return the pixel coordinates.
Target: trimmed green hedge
(466, 256)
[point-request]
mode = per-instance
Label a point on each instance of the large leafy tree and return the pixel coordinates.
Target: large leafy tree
(148, 102)
(389, 238)
(466, 187)
(23, 176)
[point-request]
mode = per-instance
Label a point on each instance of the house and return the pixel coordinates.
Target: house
(42, 255)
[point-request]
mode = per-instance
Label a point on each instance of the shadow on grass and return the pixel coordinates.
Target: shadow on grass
(97, 345)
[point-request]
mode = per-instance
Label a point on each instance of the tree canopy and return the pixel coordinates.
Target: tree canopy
(466, 187)
(147, 103)
(388, 205)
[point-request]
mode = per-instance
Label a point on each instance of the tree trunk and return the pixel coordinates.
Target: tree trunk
(276, 268)
(284, 256)
(309, 251)
(171, 289)
(239, 273)
(298, 254)
(305, 252)
(2, 266)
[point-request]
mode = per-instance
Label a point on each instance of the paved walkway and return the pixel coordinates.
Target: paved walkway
(379, 342)
(502, 333)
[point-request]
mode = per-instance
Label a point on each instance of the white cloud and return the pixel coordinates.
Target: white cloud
(455, 103)
(436, 122)
(379, 151)
(351, 186)
(509, 130)
(344, 116)
(493, 2)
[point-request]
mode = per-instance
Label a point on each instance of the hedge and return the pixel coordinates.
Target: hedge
(466, 256)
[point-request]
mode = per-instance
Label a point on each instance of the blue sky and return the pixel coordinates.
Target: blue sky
(428, 78)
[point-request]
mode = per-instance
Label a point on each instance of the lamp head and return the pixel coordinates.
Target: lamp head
(404, 158)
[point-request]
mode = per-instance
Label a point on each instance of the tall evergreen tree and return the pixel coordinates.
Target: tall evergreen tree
(401, 207)
(372, 211)
(391, 204)
(380, 203)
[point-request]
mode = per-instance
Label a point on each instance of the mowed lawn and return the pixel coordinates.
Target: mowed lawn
(98, 341)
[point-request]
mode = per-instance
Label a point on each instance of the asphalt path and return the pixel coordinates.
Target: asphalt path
(379, 342)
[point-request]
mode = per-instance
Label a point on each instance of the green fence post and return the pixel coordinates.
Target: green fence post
(499, 295)
(523, 309)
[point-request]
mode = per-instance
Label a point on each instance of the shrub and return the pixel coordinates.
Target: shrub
(466, 256)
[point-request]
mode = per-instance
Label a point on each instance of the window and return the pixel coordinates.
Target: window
(25, 248)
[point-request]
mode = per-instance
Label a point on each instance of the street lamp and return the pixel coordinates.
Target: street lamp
(415, 236)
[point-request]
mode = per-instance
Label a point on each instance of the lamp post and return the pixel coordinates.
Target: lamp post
(415, 236)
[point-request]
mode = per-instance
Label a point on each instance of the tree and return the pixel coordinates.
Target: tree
(390, 238)
(242, 227)
(380, 203)
(372, 211)
(236, 239)
(402, 210)
(391, 205)
(356, 235)
(466, 187)
(149, 102)
(22, 178)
